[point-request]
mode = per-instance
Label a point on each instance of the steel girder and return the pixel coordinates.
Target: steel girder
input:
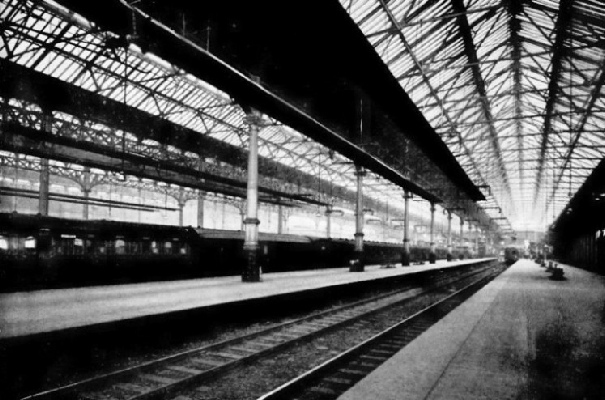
(473, 62)
(110, 81)
(540, 66)
(562, 32)
(116, 16)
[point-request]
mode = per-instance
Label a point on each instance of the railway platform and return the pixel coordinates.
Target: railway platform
(521, 336)
(44, 312)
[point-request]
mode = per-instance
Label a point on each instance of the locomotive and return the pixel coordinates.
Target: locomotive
(39, 252)
(511, 255)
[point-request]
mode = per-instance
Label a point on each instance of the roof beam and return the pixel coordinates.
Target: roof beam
(471, 53)
(405, 24)
(47, 92)
(425, 79)
(579, 129)
(512, 119)
(116, 16)
(515, 8)
(562, 31)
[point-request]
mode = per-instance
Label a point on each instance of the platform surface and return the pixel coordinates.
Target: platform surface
(27, 313)
(523, 336)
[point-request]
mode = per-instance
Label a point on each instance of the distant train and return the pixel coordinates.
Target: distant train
(45, 252)
(512, 255)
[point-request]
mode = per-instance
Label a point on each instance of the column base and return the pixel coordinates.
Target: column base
(449, 257)
(251, 272)
(357, 264)
(405, 258)
(432, 258)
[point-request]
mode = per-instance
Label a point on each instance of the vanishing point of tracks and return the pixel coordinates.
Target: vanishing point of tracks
(169, 376)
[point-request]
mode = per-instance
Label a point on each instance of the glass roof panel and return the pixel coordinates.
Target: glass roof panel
(508, 96)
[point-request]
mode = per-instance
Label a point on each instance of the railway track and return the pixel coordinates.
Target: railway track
(169, 375)
(335, 376)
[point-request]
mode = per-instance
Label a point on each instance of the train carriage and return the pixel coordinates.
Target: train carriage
(46, 252)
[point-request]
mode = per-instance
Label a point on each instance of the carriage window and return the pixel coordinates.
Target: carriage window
(154, 247)
(30, 243)
(66, 246)
(132, 247)
(3, 243)
(78, 246)
(168, 248)
(120, 246)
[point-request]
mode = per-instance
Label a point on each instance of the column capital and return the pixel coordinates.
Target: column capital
(253, 117)
(359, 170)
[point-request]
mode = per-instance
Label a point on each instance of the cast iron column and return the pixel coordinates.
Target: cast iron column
(471, 240)
(405, 256)
(44, 185)
(44, 169)
(357, 264)
(181, 204)
(477, 235)
(85, 211)
(200, 210)
(329, 221)
(280, 219)
(461, 238)
(449, 236)
(86, 189)
(432, 255)
(251, 271)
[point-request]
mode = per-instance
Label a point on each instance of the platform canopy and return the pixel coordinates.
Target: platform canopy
(142, 116)
(495, 101)
(514, 88)
(127, 93)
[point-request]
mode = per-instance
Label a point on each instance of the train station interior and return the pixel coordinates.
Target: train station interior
(329, 199)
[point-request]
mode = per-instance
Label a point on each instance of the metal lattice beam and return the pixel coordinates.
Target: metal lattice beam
(579, 129)
(473, 61)
(562, 32)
